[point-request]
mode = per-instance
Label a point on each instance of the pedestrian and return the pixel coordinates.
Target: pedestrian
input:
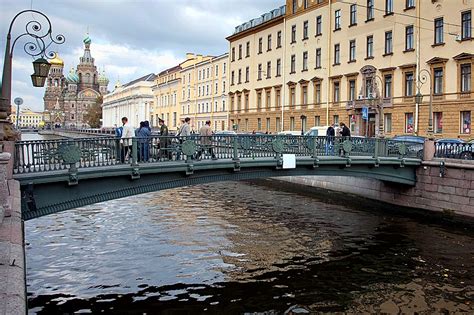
(118, 147)
(126, 139)
(164, 140)
(345, 132)
(183, 133)
(143, 134)
(330, 134)
(206, 141)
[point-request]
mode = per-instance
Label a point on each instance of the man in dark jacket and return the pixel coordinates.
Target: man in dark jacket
(330, 134)
(345, 132)
(164, 140)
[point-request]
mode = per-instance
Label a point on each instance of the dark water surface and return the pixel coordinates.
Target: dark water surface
(239, 247)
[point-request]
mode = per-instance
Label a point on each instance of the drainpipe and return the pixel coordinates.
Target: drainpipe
(283, 87)
(328, 86)
(418, 30)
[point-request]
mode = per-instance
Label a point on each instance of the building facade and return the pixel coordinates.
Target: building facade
(27, 118)
(67, 98)
(133, 100)
(318, 62)
(204, 92)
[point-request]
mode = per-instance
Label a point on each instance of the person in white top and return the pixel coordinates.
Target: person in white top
(127, 134)
(185, 129)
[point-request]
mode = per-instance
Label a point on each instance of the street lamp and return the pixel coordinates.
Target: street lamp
(43, 38)
(419, 97)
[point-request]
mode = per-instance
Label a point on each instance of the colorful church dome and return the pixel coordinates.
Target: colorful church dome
(103, 80)
(72, 77)
(56, 61)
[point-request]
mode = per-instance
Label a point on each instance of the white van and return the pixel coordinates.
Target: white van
(290, 133)
(317, 131)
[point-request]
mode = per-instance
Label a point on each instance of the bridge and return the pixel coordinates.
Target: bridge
(56, 175)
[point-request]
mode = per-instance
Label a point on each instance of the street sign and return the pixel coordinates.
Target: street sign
(18, 101)
(365, 113)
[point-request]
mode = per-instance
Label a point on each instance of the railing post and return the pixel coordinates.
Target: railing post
(235, 155)
(314, 152)
(429, 150)
(135, 166)
(376, 148)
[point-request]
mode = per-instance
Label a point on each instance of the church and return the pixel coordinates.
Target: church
(67, 98)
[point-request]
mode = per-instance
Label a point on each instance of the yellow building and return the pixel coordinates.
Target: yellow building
(324, 61)
(169, 95)
(204, 93)
(27, 118)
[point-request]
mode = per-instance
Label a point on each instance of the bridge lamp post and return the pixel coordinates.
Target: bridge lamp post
(422, 79)
(36, 48)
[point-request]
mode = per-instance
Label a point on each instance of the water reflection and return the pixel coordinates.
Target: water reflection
(240, 247)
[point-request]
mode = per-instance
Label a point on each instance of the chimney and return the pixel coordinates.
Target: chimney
(189, 56)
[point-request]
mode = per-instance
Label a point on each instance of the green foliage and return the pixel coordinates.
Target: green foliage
(94, 113)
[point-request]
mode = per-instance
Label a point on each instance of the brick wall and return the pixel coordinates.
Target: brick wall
(453, 193)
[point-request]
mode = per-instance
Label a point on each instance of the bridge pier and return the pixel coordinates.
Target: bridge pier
(12, 255)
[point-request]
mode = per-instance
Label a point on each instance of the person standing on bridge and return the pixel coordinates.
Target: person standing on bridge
(127, 134)
(206, 142)
(143, 134)
(164, 140)
(330, 134)
(184, 132)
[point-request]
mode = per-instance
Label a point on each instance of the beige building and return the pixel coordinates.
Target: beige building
(27, 118)
(133, 100)
(204, 93)
(316, 62)
(170, 95)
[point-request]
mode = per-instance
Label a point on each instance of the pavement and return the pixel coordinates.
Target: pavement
(12, 258)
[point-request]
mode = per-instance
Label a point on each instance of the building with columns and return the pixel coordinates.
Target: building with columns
(318, 62)
(134, 100)
(67, 98)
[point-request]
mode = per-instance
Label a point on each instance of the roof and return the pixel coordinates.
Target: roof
(149, 77)
(172, 69)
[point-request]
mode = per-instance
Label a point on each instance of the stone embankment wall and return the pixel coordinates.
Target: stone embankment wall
(442, 185)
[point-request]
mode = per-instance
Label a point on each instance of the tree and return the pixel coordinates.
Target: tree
(94, 113)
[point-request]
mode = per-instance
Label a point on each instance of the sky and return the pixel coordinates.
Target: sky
(130, 38)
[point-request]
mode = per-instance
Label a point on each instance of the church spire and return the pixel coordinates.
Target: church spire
(87, 57)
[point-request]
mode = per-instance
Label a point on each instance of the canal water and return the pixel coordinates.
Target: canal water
(246, 248)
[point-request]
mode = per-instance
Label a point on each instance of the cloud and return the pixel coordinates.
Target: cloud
(130, 38)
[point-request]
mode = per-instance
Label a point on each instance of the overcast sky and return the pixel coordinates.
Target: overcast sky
(130, 38)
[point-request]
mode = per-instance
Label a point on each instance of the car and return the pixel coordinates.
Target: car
(454, 148)
(317, 131)
(290, 133)
(415, 145)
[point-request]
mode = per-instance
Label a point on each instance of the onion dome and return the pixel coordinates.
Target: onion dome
(87, 40)
(72, 77)
(56, 61)
(103, 80)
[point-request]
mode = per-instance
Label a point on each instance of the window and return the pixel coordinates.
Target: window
(466, 27)
(409, 4)
(438, 122)
(269, 69)
(292, 123)
(337, 20)
(232, 78)
(260, 45)
(337, 92)
(305, 30)
(409, 127)
(466, 122)
(259, 71)
(217, 88)
(269, 42)
(294, 6)
(240, 76)
(224, 68)
(370, 10)
(240, 52)
(247, 74)
(438, 31)
(438, 81)
(370, 46)
(387, 122)
(387, 89)
(353, 20)
(305, 4)
(466, 77)
(317, 121)
(292, 96)
(278, 39)
(278, 67)
(352, 50)
(259, 99)
(268, 97)
(293, 64)
(352, 90)
(293, 34)
(278, 124)
(388, 43)
(409, 39)
(277, 98)
(304, 95)
(337, 49)
(247, 50)
(267, 125)
(335, 119)
(233, 59)
(305, 61)
(317, 92)
(319, 26)
(318, 58)
(388, 7)
(409, 84)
